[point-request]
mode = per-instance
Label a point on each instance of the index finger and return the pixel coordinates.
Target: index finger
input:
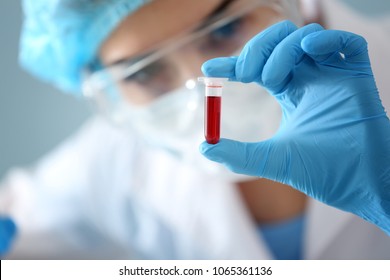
(247, 67)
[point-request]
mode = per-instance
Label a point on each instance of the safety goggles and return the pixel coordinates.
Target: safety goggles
(142, 80)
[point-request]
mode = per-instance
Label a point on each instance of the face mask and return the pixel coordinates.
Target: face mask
(173, 122)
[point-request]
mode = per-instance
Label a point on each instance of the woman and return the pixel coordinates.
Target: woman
(142, 190)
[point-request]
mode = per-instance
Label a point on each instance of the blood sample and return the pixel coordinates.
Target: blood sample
(212, 111)
(212, 118)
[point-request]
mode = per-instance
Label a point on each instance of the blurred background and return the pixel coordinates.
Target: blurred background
(34, 117)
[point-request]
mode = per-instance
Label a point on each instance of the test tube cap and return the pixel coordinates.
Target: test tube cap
(213, 81)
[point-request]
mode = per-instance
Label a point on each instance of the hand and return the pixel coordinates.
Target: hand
(7, 233)
(334, 140)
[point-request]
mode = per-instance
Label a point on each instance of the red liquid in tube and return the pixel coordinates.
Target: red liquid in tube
(212, 119)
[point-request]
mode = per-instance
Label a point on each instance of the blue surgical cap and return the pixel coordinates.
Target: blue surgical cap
(60, 37)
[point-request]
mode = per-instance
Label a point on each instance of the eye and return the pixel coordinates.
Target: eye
(222, 40)
(146, 74)
(154, 79)
(226, 31)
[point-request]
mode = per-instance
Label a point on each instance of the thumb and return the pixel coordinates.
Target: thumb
(241, 157)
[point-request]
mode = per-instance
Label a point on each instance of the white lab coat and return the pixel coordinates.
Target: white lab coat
(103, 195)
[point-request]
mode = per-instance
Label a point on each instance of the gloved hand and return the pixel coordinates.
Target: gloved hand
(334, 140)
(7, 233)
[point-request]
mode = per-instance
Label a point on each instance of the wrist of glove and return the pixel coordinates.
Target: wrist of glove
(7, 234)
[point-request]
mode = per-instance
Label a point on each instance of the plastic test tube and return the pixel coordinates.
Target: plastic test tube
(212, 110)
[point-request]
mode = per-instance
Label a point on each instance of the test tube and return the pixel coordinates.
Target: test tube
(212, 109)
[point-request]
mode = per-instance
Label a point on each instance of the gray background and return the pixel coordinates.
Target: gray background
(34, 117)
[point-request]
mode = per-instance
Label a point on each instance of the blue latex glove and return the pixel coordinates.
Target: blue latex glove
(7, 233)
(334, 140)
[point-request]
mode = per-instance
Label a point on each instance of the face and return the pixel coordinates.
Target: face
(162, 24)
(151, 62)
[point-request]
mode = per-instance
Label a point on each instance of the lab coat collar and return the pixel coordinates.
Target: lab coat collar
(227, 231)
(324, 223)
(200, 208)
(250, 241)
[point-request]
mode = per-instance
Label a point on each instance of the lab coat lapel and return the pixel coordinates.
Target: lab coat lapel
(246, 240)
(223, 227)
(324, 223)
(202, 208)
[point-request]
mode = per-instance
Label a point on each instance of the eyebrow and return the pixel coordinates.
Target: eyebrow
(217, 11)
(220, 9)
